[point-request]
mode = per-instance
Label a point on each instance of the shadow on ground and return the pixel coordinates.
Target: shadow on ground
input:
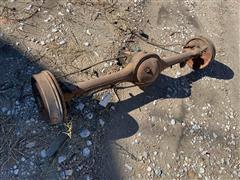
(122, 125)
(165, 87)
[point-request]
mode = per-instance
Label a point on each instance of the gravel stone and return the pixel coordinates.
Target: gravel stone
(84, 133)
(61, 159)
(86, 152)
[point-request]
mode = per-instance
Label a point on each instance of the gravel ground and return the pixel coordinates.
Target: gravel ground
(184, 126)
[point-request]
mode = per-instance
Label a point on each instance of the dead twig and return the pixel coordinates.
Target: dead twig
(154, 44)
(84, 69)
(116, 93)
(132, 156)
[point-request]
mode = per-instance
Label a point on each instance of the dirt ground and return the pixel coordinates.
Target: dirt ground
(184, 126)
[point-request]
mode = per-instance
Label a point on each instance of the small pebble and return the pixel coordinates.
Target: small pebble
(43, 153)
(128, 167)
(173, 122)
(16, 171)
(215, 135)
(28, 8)
(86, 152)
(55, 30)
(88, 32)
(80, 106)
(154, 102)
(30, 145)
(42, 43)
(62, 42)
(61, 159)
(89, 143)
(87, 44)
(60, 13)
(106, 98)
(145, 154)
(68, 172)
(201, 170)
(149, 169)
(4, 109)
(84, 133)
(101, 122)
(158, 172)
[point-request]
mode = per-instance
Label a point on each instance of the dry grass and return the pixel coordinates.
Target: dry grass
(10, 147)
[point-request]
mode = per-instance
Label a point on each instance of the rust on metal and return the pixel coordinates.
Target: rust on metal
(203, 59)
(49, 97)
(143, 70)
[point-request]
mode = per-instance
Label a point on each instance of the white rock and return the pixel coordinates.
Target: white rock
(173, 122)
(158, 172)
(28, 8)
(105, 65)
(17, 103)
(84, 133)
(49, 35)
(88, 32)
(30, 145)
(86, 44)
(149, 169)
(16, 171)
(106, 98)
(42, 43)
(86, 152)
(9, 113)
(128, 167)
(43, 153)
(201, 170)
(4, 109)
(154, 102)
(87, 177)
(215, 135)
(60, 13)
(145, 154)
(101, 122)
(61, 159)
(80, 106)
(68, 172)
(178, 74)
(89, 143)
(54, 30)
(48, 19)
(20, 28)
(62, 42)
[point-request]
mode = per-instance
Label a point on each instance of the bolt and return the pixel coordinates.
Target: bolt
(147, 70)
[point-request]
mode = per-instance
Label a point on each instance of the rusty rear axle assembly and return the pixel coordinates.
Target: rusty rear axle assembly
(143, 70)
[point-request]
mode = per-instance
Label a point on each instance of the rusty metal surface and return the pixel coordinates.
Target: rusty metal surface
(201, 61)
(49, 97)
(143, 70)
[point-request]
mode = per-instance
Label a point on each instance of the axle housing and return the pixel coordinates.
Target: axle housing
(143, 70)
